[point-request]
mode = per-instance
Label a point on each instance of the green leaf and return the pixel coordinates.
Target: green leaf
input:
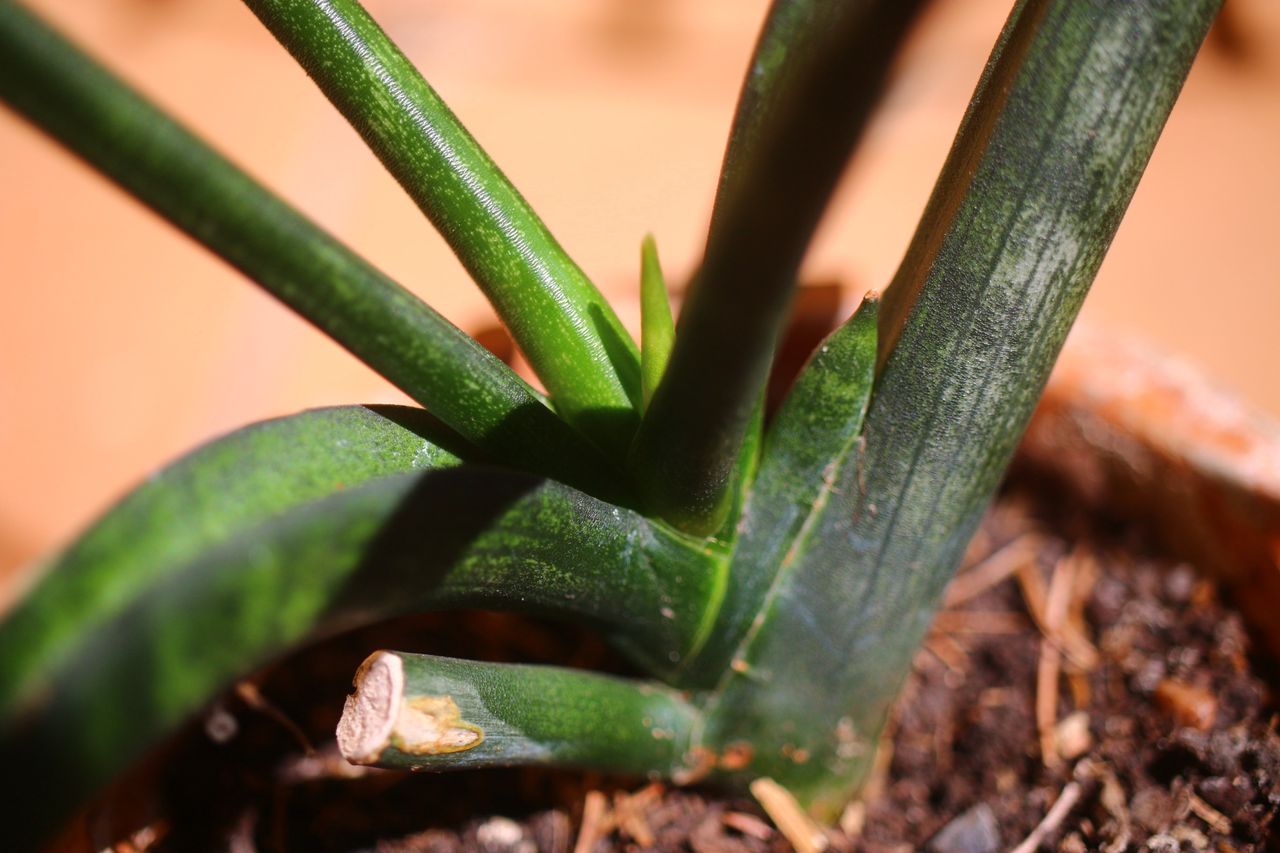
(572, 338)
(1056, 139)
(815, 76)
(817, 63)
(456, 537)
(657, 328)
(424, 712)
(720, 549)
(91, 112)
(805, 459)
(214, 494)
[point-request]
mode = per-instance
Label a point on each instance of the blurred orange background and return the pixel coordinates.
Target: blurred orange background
(122, 343)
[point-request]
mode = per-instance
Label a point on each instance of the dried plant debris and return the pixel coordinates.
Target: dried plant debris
(1156, 728)
(1071, 697)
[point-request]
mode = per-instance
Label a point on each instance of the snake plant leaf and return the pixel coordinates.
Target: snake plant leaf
(815, 433)
(815, 75)
(1057, 136)
(657, 327)
(213, 494)
(832, 55)
(98, 117)
(424, 712)
(571, 336)
(466, 536)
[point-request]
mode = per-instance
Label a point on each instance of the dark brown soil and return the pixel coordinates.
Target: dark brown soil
(1147, 693)
(1180, 744)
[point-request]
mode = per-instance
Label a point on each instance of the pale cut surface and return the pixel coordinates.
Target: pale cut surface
(369, 714)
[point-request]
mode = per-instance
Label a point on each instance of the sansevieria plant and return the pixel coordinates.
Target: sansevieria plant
(771, 578)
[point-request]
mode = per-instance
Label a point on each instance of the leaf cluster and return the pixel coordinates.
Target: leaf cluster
(772, 581)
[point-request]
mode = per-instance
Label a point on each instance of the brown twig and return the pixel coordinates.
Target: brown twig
(992, 569)
(1058, 597)
(252, 696)
(747, 824)
(1060, 629)
(1216, 820)
(596, 822)
(949, 651)
(981, 622)
(1052, 606)
(853, 820)
(786, 814)
(1081, 691)
(629, 813)
(1061, 808)
(1047, 671)
(1086, 577)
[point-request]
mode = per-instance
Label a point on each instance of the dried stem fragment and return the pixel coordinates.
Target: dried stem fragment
(1047, 671)
(1061, 808)
(786, 814)
(993, 568)
(597, 822)
(379, 715)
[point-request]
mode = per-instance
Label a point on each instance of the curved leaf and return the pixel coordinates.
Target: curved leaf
(657, 328)
(458, 537)
(212, 495)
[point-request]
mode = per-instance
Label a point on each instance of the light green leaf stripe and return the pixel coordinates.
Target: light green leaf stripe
(569, 333)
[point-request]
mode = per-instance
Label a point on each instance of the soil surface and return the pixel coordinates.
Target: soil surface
(1070, 697)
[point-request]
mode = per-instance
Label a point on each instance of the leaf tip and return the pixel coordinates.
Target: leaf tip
(657, 326)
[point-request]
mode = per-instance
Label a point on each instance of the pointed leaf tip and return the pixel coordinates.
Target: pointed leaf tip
(657, 326)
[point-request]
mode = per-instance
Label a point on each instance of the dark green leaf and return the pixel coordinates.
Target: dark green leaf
(806, 454)
(458, 537)
(817, 70)
(216, 493)
(1057, 137)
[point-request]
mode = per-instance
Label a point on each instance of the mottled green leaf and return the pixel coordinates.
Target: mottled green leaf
(455, 537)
(1055, 141)
(814, 435)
